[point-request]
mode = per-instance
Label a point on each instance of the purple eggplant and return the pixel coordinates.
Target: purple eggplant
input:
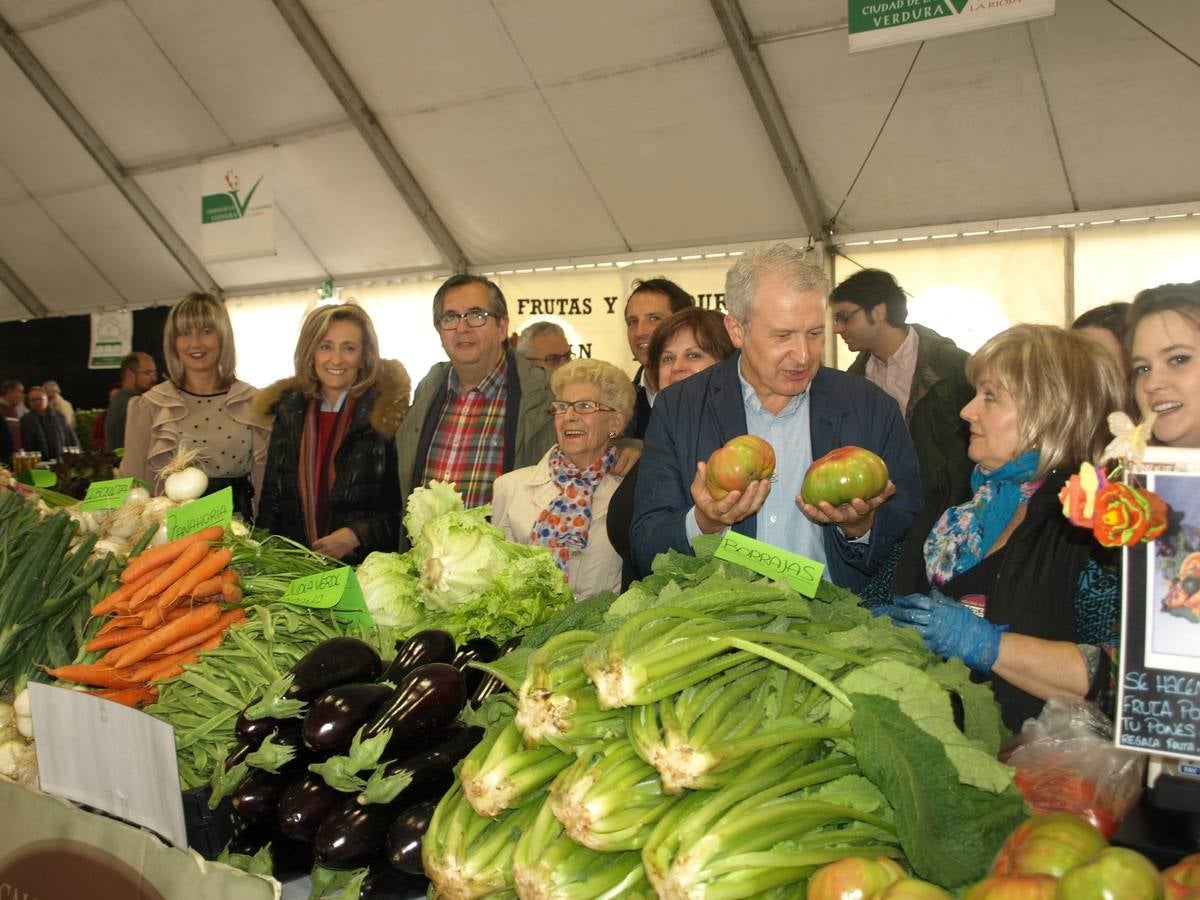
(423, 647)
(333, 717)
(253, 731)
(353, 834)
(432, 769)
(490, 684)
(339, 660)
(404, 836)
(304, 806)
(425, 701)
(478, 649)
(289, 859)
(256, 798)
(238, 754)
(384, 882)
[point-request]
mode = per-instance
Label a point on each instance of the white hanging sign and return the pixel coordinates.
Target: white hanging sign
(237, 207)
(112, 339)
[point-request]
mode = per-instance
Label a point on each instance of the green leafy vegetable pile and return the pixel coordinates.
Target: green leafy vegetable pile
(462, 575)
(712, 733)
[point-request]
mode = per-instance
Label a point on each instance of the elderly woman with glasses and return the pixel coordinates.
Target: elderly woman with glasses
(562, 501)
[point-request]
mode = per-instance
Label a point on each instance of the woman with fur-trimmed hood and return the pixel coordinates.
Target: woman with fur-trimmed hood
(331, 480)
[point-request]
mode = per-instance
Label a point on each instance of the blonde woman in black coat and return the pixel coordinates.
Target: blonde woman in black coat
(331, 480)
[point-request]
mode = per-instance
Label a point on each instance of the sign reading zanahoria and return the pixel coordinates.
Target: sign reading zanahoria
(879, 23)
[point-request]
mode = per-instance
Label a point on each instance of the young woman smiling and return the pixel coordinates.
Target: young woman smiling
(331, 479)
(1164, 329)
(201, 406)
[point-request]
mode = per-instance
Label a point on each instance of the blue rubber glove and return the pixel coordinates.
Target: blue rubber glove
(950, 628)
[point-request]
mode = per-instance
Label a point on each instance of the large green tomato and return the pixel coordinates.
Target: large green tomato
(1117, 873)
(1186, 872)
(844, 474)
(743, 459)
(1014, 887)
(1048, 845)
(853, 878)
(912, 889)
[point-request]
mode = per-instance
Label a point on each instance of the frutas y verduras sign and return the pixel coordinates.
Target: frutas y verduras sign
(881, 23)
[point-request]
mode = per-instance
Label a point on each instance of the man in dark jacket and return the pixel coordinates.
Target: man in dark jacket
(923, 372)
(650, 302)
(138, 375)
(483, 413)
(44, 429)
(775, 388)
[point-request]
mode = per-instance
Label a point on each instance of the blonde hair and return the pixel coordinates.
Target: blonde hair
(199, 310)
(316, 324)
(611, 383)
(1064, 384)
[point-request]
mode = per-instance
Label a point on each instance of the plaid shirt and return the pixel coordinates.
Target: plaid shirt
(468, 445)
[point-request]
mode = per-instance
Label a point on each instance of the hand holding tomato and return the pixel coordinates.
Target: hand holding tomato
(714, 515)
(854, 518)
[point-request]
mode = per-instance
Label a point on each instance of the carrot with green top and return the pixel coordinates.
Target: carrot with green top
(135, 697)
(125, 592)
(94, 675)
(198, 619)
(115, 638)
(165, 554)
(209, 567)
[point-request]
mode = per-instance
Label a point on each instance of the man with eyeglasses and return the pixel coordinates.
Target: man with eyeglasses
(138, 374)
(483, 413)
(545, 345)
(775, 387)
(922, 371)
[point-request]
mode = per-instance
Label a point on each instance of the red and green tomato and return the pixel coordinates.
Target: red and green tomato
(1048, 845)
(853, 878)
(912, 889)
(743, 459)
(1014, 887)
(1116, 873)
(843, 475)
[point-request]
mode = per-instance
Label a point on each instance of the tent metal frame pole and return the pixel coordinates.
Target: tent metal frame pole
(771, 113)
(352, 101)
(105, 158)
(21, 291)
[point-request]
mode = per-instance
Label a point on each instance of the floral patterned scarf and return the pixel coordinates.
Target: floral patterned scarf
(963, 534)
(563, 525)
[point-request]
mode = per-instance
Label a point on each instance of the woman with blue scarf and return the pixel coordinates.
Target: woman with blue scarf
(562, 501)
(1004, 581)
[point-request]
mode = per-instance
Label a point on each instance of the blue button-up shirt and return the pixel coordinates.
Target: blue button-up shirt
(780, 521)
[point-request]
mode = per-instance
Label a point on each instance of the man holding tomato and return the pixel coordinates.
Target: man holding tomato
(775, 388)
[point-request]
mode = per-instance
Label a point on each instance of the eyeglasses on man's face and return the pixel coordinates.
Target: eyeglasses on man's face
(842, 318)
(583, 407)
(153, 372)
(552, 359)
(475, 318)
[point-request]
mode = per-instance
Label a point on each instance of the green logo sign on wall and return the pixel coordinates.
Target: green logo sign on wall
(226, 205)
(879, 23)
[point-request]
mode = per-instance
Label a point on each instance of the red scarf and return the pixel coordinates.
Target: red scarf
(311, 468)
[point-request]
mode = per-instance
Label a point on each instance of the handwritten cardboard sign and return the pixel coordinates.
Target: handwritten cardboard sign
(108, 494)
(215, 509)
(800, 572)
(337, 589)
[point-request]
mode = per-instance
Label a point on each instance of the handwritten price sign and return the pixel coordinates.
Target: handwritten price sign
(215, 509)
(108, 494)
(337, 589)
(800, 572)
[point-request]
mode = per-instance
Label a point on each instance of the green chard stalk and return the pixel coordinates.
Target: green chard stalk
(548, 865)
(761, 832)
(500, 772)
(557, 704)
(468, 855)
(609, 799)
(659, 652)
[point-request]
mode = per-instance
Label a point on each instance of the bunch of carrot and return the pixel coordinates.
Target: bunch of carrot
(166, 612)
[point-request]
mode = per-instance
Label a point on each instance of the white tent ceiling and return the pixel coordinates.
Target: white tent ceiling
(535, 129)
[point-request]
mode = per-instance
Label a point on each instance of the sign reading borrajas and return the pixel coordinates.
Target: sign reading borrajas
(800, 572)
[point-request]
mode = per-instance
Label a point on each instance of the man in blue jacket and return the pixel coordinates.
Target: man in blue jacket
(775, 388)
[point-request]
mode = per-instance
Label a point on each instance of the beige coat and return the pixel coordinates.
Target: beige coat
(152, 435)
(520, 495)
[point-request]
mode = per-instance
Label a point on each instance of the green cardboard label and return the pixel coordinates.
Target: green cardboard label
(42, 478)
(337, 589)
(107, 494)
(215, 509)
(800, 572)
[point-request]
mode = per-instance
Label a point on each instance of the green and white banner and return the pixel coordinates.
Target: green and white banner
(237, 206)
(112, 339)
(880, 23)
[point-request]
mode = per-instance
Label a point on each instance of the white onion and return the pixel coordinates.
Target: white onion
(186, 484)
(160, 536)
(137, 494)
